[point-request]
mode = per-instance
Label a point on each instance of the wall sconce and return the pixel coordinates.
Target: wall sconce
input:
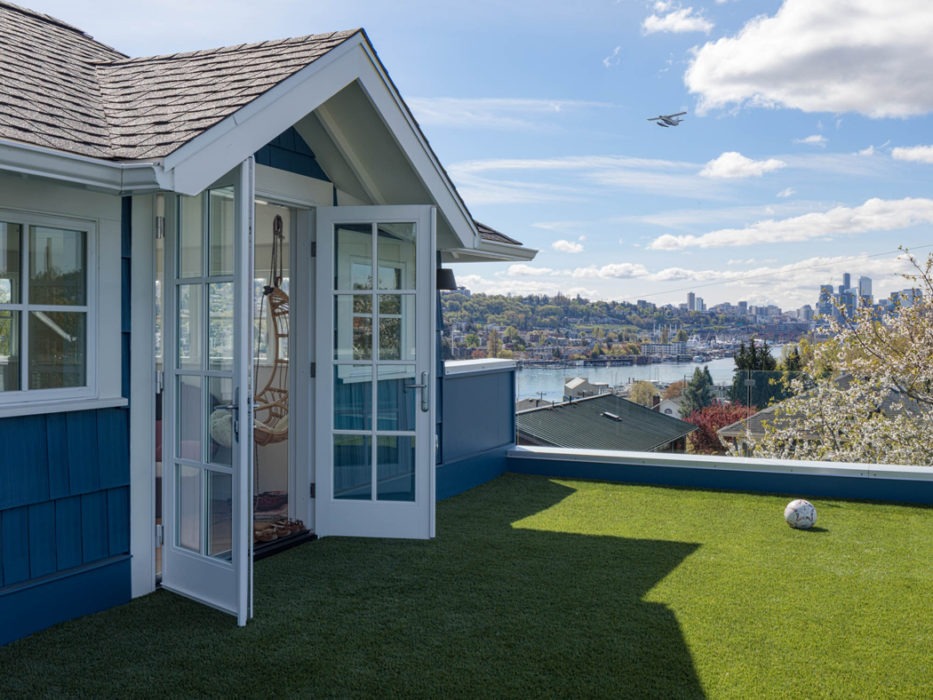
(445, 279)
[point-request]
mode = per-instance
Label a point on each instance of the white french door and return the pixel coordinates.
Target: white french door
(374, 437)
(207, 422)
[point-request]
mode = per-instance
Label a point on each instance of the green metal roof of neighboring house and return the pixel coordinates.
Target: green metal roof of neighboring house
(605, 422)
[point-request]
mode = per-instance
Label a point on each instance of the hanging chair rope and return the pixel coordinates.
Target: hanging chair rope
(270, 410)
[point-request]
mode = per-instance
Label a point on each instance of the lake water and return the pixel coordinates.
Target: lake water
(548, 384)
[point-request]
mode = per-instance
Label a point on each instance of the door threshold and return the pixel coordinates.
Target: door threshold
(261, 550)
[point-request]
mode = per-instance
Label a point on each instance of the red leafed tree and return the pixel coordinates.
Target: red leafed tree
(708, 420)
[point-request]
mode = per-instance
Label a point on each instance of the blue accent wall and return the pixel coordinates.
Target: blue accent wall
(289, 152)
(64, 510)
(797, 484)
(478, 429)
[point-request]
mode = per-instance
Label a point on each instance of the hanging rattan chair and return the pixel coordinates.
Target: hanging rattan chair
(270, 404)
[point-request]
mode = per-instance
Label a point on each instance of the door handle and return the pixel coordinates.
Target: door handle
(235, 409)
(425, 394)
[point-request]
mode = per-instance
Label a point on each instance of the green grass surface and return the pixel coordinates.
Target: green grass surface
(535, 588)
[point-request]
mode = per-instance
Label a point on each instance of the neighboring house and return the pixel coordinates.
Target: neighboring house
(135, 195)
(606, 422)
(580, 387)
(671, 407)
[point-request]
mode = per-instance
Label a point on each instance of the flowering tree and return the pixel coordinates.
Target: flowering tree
(869, 397)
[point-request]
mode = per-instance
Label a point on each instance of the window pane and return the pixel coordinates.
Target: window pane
(221, 421)
(188, 430)
(353, 259)
(395, 468)
(188, 507)
(190, 218)
(396, 251)
(353, 475)
(222, 224)
(57, 266)
(396, 398)
(220, 312)
(220, 515)
(57, 356)
(9, 351)
(353, 397)
(189, 326)
(10, 242)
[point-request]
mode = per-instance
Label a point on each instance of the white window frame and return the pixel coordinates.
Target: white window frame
(29, 401)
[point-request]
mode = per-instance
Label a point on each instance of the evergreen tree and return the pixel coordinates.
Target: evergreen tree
(756, 381)
(698, 393)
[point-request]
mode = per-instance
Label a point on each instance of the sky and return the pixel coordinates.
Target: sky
(806, 151)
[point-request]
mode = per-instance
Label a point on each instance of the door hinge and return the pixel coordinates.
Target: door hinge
(159, 535)
(313, 249)
(313, 490)
(313, 370)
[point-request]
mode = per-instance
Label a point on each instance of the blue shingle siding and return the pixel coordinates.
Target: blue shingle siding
(289, 152)
(64, 492)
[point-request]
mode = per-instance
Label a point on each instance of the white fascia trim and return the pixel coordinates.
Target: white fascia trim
(743, 464)
(489, 252)
(225, 145)
(96, 173)
(461, 367)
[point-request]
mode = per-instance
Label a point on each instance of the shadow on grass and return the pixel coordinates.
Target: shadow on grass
(485, 609)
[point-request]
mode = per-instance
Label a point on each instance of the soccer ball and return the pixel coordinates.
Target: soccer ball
(800, 514)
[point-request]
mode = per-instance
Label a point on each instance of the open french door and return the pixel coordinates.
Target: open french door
(374, 437)
(207, 422)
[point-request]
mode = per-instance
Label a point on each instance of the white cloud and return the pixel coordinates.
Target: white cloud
(814, 140)
(867, 151)
(503, 114)
(787, 192)
(613, 59)
(827, 56)
(734, 165)
(567, 246)
(481, 181)
(677, 21)
(872, 216)
(917, 154)
(610, 271)
(522, 270)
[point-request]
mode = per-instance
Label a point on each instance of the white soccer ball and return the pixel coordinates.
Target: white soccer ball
(800, 514)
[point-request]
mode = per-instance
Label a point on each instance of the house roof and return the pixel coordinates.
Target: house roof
(605, 422)
(63, 90)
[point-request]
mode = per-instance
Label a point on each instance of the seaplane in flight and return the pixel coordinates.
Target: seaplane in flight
(667, 120)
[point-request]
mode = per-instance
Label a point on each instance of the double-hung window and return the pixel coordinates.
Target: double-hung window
(45, 311)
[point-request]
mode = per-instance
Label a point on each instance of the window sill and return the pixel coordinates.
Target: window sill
(32, 408)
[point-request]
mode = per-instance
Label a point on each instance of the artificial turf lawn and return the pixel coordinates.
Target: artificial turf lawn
(538, 587)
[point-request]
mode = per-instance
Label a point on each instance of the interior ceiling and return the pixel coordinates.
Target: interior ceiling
(362, 158)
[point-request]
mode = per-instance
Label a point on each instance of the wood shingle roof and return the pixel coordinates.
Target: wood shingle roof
(61, 89)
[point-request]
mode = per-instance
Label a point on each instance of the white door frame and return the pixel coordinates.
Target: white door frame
(220, 581)
(369, 516)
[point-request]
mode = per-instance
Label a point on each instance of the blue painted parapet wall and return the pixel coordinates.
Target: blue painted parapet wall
(64, 517)
(477, 423)
(875, 482)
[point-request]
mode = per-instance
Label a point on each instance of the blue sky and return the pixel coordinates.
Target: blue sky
(807, 150)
